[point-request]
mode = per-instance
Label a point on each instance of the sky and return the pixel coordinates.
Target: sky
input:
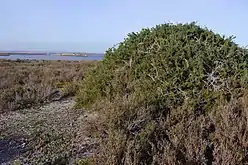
(95, 25)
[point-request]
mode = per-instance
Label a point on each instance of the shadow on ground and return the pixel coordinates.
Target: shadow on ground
(12, 147)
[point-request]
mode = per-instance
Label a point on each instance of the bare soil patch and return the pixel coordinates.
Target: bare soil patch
(53, 133)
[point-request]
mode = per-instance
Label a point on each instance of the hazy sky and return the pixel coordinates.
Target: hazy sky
(94, 25)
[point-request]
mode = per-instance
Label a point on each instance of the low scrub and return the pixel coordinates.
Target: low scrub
(24, 83)
(171, 94)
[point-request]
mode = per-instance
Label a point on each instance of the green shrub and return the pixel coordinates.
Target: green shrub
(154, 80)
(167, 64)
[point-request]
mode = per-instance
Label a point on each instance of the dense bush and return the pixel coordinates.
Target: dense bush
(161, 95)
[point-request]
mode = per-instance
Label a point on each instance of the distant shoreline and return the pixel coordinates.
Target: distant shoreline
(81, 54)
(53, 57)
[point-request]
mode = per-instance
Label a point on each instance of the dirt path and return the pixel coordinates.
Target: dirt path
(48, 134)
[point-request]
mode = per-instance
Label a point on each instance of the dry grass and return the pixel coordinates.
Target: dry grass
(182, 137)
(24, 83)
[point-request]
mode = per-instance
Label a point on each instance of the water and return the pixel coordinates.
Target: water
(51, 57)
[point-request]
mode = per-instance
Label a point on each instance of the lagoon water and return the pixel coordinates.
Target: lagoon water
(52, 57)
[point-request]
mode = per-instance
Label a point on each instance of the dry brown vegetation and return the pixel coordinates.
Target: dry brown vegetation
(24, 83)
(181, 138)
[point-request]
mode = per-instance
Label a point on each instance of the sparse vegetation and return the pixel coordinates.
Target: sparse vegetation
(51, 133)
(172, 94)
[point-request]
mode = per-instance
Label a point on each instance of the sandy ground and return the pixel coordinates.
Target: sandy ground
(52, 133)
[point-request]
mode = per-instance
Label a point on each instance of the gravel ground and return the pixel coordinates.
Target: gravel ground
(49, 134)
